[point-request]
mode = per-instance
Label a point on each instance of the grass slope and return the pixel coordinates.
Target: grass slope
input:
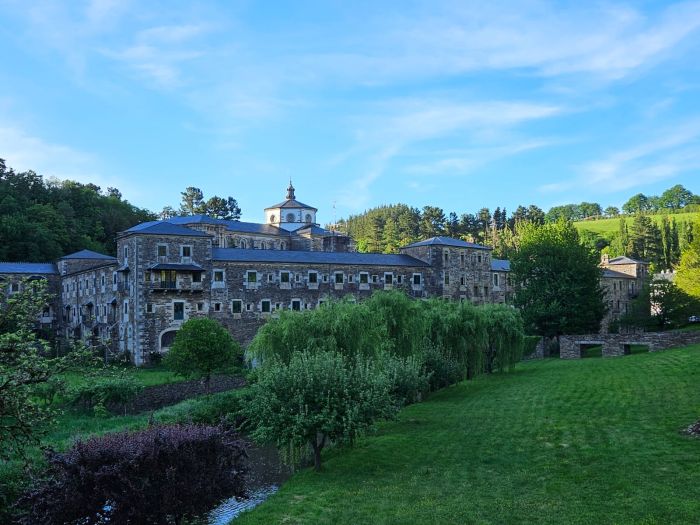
(607, 227)
(589, 441)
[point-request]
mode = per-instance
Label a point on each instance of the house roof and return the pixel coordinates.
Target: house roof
(234, 226)
(447, 241)
(612, 274)
(304, 257)
(291, 203)
(28, 268)
(165, 228)
(625, 260)
(89, 254)
(315, 230)
(500, 265)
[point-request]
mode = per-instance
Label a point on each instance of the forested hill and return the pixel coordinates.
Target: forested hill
(42, 220)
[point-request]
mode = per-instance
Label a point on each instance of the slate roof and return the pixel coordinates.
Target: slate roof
(291, 203)
(234, 226)
(165, 228)
(625, 260)
(447, 241)
(89, 254)
(304, 257)
(29, 268)
(612, 274)
(500, 265)
(316, 230)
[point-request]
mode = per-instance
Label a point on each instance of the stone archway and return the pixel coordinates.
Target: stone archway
(166, 339)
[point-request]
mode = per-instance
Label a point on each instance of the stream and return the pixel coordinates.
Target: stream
(266, 474)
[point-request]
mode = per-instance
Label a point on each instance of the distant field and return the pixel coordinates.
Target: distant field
(606, 227)
(586, 442)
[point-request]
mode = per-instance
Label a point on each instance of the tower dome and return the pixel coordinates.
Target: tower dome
(290, 214)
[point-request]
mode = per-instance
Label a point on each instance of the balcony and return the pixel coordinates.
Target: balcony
(174, 286)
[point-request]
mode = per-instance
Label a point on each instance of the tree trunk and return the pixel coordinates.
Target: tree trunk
(317, 445)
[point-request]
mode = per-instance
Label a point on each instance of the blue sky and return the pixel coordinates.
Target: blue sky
(456, 104)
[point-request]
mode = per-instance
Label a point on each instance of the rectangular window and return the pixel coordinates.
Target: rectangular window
(338, 278)
(446, 257)
(462, 280)
(126, 252)
(162, 250)
(14, 287)
(388, 278)
(495, 279)
(178, 311)
(461, 260)
(351, 278)
(149, 308)
(325, 278)
(217, 307)
(102, 280)
(478, 258)
(447, 278)
(486, 291)
(297, 277)
(296, 305)
(364, 278)
(218, 276)
(196, 277)
(417, 279)
(265, 306)
(375, 279)
(284, 277)
(399, 279)
(200, 307)
(251, 277)
(248, 307)
(236, 306)
(313, 277)
(476, 291)
(147, 276)
(186, 251)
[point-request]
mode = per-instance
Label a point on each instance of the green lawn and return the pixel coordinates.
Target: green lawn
(586, 441)
(605, 227)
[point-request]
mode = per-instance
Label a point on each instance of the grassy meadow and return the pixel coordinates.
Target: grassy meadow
(608, 227)
(586, 441)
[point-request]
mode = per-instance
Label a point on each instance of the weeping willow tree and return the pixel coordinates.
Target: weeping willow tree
(504, 327)
(403, 320)
(459, 330)
(343, 326)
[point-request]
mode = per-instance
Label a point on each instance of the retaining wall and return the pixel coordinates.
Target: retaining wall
(618, 344)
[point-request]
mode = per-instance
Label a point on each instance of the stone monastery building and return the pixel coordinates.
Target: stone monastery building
(241, 274)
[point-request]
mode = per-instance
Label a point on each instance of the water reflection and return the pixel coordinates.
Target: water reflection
(266, 474)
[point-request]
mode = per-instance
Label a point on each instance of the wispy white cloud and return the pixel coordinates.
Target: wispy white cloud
(672, 152)
(23, 151)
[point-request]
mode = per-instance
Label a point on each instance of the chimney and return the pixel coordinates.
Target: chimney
(604, 258)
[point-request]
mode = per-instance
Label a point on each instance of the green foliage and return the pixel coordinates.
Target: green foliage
(316, 398)
(203, 346)
(408, 379)
(44, 220)
(345, 326)
(530, 343)
(688, 276)
(440, 367)
(109, 388)
(661, 305)
(209, 410)
(556, 281)
(24, 369)
(504, 327)
(402, 317)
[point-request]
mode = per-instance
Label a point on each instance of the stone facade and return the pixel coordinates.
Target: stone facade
(618, 344)
(242, 274)
(622, 279)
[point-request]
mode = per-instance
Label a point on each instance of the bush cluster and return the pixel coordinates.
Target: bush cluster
(100, 391)
(160, 475)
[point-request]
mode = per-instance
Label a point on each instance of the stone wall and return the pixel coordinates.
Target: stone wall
(618, 344)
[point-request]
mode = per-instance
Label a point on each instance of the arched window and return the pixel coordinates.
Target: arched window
(290, 217)
(308, 218)
(166, 339)
(243, 243)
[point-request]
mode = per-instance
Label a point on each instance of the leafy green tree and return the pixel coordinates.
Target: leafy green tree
(637, 204)
(202, 347)
(661, 305)
(23, 368)
(611, 211)
(317, 398)
(688, 274)
(556, 281)
(433, 222)
(676, 197)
